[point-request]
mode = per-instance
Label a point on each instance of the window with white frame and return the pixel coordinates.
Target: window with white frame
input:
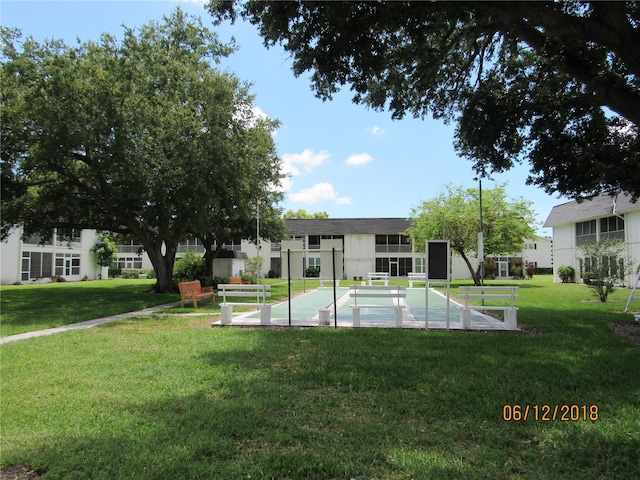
(128, 262)
(586, 232)
(66, 236)
(36, 264)
(37, 240)
(612, 227)
(67, 264)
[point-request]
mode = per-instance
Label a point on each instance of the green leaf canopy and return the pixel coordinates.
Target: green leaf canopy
(555, 84)
(141, 136)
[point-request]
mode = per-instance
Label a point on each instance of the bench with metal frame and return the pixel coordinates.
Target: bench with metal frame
(378, 277)
(376, 291)
(489, 294)
(259, 292)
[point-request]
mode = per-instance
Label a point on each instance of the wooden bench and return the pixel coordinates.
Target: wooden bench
(490, 294)
(416, 277)
(378, 277)
(365, 292)
(194, 291)
(257, 292)
(235, 280)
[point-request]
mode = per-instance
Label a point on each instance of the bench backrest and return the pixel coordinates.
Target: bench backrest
(489, 293)
(259, 292)
(376, 291)
(235, 280)
(372, 275)
(189, 287)
(417, 275)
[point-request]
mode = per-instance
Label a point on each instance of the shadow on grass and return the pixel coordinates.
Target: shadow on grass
(28, 308)
(309, 404)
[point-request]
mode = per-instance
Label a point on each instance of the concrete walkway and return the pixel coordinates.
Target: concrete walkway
(85, 324)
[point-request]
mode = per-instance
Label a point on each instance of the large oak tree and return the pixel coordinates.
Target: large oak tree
(140, 136)
(552, 83)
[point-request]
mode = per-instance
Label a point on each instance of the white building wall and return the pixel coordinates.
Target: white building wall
(632, 225)
(10, 260)
(564, 250)
(542, 254)
(566, 253)
(359, 255)
(12, 252)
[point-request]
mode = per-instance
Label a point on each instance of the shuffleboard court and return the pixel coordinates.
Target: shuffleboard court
(379, 312)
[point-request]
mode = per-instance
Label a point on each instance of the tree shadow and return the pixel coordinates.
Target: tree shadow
(372, 403)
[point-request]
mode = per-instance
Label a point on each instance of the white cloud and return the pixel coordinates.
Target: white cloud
(377, 130)
(307, 159)
(359, 159)
(320, 192)
(258, 112)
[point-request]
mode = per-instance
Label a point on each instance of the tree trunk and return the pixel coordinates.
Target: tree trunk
(162, 265)
(474, 275)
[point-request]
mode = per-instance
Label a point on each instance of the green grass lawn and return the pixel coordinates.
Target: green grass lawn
(35, 307)
(26, 308)
(165, 397)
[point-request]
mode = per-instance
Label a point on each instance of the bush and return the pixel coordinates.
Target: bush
(253, 268)
(567, 274)
(115, 272)
(190, 267)
(135, 273)
(313, 272)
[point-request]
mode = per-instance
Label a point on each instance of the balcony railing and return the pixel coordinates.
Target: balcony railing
(393, 248)
(190, 248)
(129, 248)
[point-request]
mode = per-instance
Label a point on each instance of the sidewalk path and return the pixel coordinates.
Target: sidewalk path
(85, 324)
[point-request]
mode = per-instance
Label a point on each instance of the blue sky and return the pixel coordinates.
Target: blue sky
(343, 159)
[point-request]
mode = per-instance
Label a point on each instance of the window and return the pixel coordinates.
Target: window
(419, 264)
(36, 264)
(405, 266)
(314, 262)
(382, 265)
(586, 232)
(66, 236)
(612, 227)
(314, 242)
(67, 264)
(393, 244)
(36, 240)
(128, 262)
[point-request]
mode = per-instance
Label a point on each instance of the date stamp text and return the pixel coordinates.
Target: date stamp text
(550, 413)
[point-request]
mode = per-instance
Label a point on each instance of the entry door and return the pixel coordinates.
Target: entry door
(393, 267)
(503, 269)
(67, 267)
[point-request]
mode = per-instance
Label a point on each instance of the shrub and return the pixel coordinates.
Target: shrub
(604, 263)
(129, 273)
(313, 272)
(567, 274)
(189, 267)
(254, 267)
